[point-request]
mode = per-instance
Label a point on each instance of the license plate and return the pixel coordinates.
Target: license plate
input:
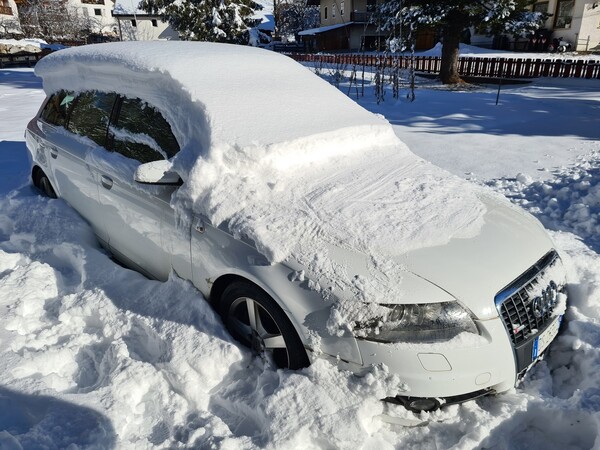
(543, 340)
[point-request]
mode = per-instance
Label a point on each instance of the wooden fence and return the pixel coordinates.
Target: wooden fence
(20, 59)
(473, 66)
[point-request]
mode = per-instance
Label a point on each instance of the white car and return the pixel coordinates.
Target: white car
(300, 216)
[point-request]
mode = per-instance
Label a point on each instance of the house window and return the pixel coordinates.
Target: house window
(5, 8)
(325, 13)
(93, 2)
(134, 23)
(154, 22)
(342, 8)
(97, 12)
(541, 7)
(564, 13)
(333, 10)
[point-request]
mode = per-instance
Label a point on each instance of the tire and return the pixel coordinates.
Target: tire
(255, 320)
(42, 182)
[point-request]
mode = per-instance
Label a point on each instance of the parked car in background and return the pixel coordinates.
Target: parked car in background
(300, 216)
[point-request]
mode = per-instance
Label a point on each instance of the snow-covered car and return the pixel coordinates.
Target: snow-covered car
(299, 215)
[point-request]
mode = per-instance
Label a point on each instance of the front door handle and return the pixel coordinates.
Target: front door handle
(107, 182)
(54, 153)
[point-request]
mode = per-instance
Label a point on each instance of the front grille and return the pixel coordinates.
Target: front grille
(515, 302)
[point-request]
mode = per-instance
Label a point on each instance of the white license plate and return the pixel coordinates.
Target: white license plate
(543, 340)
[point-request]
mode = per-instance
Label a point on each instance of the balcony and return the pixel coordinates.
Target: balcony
(360, 17)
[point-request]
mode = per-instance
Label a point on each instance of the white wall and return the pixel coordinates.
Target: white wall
(585, 23)
(106, 24)
(145, 30)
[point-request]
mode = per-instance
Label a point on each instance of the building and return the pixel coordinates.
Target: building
(9, 19)
(134, 24)
(577, 21)
(344, 26)
(99, 13)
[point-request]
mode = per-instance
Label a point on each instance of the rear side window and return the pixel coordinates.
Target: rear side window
(142, 133)
(91, 114)
(57, 108)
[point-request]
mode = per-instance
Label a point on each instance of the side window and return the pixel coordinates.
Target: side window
(57, 108)
(91, 114)
(142, 133)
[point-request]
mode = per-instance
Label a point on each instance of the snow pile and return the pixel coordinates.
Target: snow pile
(152, 356)
(570, 201)
(466, 50)
(11, 46)
(284, 209)
(463, 50)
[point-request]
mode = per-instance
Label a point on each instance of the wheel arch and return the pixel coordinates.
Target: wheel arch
(36, 172)
(304, 307)
(221, 283)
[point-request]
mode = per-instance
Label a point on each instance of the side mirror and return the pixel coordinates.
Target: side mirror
(157, 172)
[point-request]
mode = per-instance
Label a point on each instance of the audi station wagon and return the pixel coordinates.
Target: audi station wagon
(300, 216)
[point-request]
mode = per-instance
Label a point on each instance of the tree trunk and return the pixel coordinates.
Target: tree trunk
(449, 70)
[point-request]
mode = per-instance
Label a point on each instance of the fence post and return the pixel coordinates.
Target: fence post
(568, 67)
(546, 68)
(557, 68)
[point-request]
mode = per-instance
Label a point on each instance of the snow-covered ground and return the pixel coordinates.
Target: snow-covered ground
(96, 355)
(480, 52)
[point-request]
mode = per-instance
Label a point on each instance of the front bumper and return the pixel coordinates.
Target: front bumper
(443, 370)
(530, 314)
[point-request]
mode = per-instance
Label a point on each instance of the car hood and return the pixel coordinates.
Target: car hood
(474, 270)
(471, 270)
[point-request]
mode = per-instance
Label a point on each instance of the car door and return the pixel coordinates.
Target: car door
(72, 127)
(134, 214)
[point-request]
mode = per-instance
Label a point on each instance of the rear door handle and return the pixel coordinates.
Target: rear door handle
(54, 153)
(107, 182)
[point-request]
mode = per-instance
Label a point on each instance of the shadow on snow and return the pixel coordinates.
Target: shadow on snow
(40, 421)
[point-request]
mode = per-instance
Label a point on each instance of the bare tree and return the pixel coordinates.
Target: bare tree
(293, 16)
(54, 21)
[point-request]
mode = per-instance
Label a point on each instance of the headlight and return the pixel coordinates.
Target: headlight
(430, 322)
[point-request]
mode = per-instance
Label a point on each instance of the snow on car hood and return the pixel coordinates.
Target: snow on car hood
(277, 155)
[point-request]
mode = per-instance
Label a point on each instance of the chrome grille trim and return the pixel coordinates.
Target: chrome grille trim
(514, 301)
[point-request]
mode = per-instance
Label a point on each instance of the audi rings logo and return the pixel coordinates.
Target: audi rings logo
(543, 303)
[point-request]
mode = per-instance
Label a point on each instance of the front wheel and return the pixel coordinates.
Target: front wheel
(254, 319)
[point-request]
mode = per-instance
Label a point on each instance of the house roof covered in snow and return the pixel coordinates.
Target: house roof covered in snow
(314, 31)
(128, 8)
(266, 16)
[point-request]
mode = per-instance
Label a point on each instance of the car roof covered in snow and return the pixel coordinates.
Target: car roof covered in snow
(241, 95)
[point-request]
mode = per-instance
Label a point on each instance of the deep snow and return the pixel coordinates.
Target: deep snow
(98, 356)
